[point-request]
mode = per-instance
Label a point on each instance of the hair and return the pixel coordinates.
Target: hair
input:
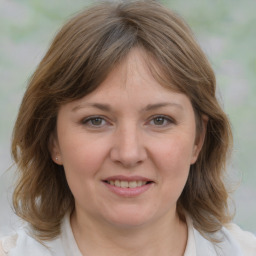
(80, 57)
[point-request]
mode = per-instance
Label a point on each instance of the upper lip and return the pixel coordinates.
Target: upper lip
(127, 178)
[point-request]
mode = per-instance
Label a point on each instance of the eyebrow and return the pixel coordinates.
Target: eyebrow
(108, 108)
(104, 107)
(161, 105)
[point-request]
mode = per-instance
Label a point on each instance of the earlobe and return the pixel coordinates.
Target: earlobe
(200, 139)
(57, 160)
(54, 149)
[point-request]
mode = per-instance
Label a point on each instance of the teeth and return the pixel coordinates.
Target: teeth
(139, 183)
(117, 183)
(127, 184)
(133, 184)
(124, 184)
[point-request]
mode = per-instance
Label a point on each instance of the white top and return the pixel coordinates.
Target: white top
(236, 242)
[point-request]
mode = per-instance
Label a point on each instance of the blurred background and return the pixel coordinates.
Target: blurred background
(226, 31)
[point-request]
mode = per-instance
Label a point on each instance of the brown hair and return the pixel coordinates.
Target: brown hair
(81, 56)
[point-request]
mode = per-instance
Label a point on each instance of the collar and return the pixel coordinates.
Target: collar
(197, 245)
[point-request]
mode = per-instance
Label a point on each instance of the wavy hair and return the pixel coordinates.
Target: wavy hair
(80, 57)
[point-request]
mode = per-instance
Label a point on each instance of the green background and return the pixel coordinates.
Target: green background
(226, 31)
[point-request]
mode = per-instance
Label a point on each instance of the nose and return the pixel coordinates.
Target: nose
(128, 147)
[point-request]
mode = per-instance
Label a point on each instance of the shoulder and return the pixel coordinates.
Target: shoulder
(246, 240)
(232, 241)
(7, 243)
(21, 243)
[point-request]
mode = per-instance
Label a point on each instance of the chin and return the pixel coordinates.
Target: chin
(128, 223)
(129, 219)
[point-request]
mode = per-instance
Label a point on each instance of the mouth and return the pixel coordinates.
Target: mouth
(127, 184)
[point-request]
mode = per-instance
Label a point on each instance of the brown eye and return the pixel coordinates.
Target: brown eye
(94, 122)
(161, 121)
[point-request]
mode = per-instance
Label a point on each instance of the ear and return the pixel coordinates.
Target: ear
(199, 142)
(54, 149)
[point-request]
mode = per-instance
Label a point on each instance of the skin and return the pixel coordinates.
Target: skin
(130, 125)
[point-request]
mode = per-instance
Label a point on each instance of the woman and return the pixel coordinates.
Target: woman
(121, 144)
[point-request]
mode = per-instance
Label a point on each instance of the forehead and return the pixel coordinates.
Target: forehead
(138, 69)
(132, 85)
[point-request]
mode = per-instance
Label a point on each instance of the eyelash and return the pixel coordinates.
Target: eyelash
(166, 119)
(88, 121)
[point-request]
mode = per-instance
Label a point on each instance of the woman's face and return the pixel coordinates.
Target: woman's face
(127, 147)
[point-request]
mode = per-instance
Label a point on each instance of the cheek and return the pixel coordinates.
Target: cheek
(81, 155)
(82, 158)
(82, 162)
(172, 159)
(174, 152)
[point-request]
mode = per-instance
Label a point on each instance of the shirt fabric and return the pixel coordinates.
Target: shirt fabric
(235, 242)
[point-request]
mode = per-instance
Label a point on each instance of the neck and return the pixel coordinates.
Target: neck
(165, 237)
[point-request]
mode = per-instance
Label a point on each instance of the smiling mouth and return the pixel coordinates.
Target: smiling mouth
(127, 184)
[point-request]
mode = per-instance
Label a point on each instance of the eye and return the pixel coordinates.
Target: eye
(161, 121)
(96, 121)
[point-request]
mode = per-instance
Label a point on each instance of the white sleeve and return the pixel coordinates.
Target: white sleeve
(2, 252)
(7, 243)
(246, 239)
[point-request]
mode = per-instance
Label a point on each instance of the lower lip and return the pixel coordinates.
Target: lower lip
(128, 192)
